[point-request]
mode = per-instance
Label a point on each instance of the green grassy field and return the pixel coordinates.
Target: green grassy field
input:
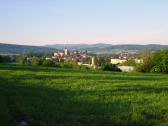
(68, 97)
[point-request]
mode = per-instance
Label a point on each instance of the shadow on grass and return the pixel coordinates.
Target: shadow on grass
(101, 78)
(37, 68)
(41, 106)
(97, 74)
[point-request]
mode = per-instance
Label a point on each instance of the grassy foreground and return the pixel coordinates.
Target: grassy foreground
(66, 97)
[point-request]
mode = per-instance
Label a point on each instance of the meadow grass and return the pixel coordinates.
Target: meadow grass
(70, 97)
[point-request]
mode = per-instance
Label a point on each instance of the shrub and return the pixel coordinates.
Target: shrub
(7, 58)
(156, 69)
(35, 61)
(68, 64)
(110, 67)
(84, 67)
(22, 60)
(48, 63)
(1, 59)
(129, 63)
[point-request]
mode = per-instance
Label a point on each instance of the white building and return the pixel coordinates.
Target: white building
(138, 61)
(120, 61)
(117, 61)
(66, 52)
(126, 68)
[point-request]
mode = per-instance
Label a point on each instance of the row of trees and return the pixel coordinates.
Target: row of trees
(37, 61)
(13, 58)
(154, 62)
(8, 58)
(102, 63)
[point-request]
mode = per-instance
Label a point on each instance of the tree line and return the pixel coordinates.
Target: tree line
(156, 62)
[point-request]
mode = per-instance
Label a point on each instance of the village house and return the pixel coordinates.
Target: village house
(123, 57)
(118, 61)
(80, 57)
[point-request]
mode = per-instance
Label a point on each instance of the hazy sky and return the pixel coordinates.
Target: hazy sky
(40, 22)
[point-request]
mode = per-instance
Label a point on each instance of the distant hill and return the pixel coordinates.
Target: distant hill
(108, 48)
(99, 48)
(20, 49)
(78, 46)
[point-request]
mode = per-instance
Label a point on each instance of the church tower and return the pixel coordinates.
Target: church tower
(93, 62)
(66, 52)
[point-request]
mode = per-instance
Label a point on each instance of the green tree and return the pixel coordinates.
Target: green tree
(22, 60)
(148, 62)
(49, 63)
(160, 59)
(35, 61)
(155, 62)
(102, 60)
(129, 63)
(69, 64)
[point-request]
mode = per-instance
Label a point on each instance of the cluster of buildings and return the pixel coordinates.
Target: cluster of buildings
(67, 56)
(81, 58)
(123, 57)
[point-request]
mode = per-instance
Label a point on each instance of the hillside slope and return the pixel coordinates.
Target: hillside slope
(20, 49)
(69, 97)
(100, 48)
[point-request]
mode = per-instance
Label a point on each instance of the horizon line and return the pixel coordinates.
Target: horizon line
(81, 44)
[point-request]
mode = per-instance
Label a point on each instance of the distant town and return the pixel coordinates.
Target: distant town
(84, 59)
(128, 59)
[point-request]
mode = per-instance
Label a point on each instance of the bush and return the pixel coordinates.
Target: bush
(35, 61)
(110, 67)
(7, 58)
(48, 63)
(156, 69)
(102, 60)
(84, 67)
(129, 63)
(68, 64)
(22, 60)
(146, 66)
(1, 59)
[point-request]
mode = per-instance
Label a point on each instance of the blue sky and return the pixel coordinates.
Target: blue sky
(41, 22)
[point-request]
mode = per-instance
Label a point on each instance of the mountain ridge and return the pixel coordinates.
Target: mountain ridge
(21, 49)
(98, 48)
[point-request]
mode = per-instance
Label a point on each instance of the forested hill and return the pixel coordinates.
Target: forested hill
(20, 49)
(100, 48)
